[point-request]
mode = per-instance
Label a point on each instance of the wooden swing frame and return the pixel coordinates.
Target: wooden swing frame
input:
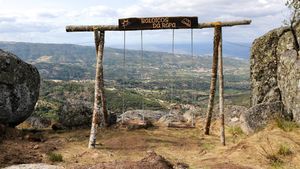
(100, 114)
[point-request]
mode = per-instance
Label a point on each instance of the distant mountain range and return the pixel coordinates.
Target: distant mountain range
(74, 62)
(231, 49)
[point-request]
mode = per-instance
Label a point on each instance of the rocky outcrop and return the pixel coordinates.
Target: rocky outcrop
(75, 114)
(258, 116)
(233, 113)
(19, 88)
(289, 83)
(275, 71)
(140, 114)
(34, 166)
(38, 122)
(180, 116)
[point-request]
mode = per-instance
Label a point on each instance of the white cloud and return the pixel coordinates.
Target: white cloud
(7, 19)
(100, 10)
(51, 14)
(50, 18)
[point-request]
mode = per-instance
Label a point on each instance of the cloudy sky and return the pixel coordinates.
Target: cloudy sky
(45, 21)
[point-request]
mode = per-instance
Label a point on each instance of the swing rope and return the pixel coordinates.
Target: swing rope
(172, 69)
(193, 79)
(142, 73)
(124, 75)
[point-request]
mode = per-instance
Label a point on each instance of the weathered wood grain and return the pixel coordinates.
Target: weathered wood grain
(90, 28)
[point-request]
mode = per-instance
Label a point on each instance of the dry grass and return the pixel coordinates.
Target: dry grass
(284, 150)
(182, 145)
(54, 157)
(285, 125)
(188, 146)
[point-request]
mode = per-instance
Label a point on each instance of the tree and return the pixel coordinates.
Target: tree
(294, 6)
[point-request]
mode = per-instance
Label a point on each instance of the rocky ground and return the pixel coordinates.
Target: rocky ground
(173, 147)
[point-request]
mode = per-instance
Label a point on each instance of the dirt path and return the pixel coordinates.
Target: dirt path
(186, 146)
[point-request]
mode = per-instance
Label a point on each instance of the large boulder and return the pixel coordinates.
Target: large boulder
(75, 114)
(263, 69)
(289, 82)
(275, 70)
(180, 116)
(259, 115)
(19, 88)
(38, 122)
(150, 115)
(233, 113)
(34, 166)
(172, 118)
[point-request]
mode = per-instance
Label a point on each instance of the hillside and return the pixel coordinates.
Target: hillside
(74, 62)
(165, 77)
(233, 49)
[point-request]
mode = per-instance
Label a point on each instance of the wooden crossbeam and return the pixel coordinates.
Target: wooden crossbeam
(90, 28)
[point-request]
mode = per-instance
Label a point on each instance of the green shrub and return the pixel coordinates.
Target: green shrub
(286, 125)
(55, 157)
(271, 156)
(284, 150)
(277, 164)
(208, 146)
(235, 131)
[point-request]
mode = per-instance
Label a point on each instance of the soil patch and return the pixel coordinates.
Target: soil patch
(228, 166)
(151, 161)
(21, 147)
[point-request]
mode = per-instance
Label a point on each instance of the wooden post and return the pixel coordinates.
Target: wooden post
(221, 89)
(100, 52)
(213, 80)
(99, 114)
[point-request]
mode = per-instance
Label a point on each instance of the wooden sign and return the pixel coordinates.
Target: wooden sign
(181, 22)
